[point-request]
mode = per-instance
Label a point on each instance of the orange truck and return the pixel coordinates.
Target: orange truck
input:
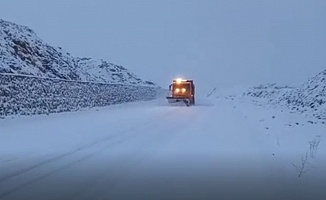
(182, 90)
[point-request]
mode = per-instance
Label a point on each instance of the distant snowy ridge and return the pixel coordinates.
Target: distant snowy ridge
(23, 52)
(309, 98)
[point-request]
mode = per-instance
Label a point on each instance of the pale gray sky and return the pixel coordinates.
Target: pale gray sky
(216, 42)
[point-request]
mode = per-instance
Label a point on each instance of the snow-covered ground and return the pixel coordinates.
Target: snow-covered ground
(218, 149)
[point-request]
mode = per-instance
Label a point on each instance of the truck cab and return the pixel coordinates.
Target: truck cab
(182, 90)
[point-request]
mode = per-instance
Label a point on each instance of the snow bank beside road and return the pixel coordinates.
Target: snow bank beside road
(32, 95)
(309, 99)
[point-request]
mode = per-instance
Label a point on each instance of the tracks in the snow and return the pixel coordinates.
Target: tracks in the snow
(86, 151)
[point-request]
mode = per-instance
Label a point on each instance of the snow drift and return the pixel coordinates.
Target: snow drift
(308, 99)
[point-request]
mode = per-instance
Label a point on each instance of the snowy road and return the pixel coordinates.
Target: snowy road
(148, 150)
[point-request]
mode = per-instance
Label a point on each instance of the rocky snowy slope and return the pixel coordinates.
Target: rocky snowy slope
(23, 52)
(308, 99)
(36, 78)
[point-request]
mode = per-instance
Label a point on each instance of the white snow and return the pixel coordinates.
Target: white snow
(309, 98)
(22, 52)
(219, 149)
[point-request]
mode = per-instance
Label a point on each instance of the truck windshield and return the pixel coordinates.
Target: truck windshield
(181, 85)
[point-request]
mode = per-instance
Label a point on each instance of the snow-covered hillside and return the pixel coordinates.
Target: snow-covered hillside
(23, 52)
(308, 99)
(37, 78)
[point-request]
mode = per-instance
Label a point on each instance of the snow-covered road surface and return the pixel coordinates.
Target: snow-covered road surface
(148, 150)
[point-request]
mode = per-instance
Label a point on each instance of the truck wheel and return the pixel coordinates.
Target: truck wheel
(193, 100)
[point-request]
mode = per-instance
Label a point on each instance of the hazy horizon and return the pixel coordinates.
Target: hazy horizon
(217, 43)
